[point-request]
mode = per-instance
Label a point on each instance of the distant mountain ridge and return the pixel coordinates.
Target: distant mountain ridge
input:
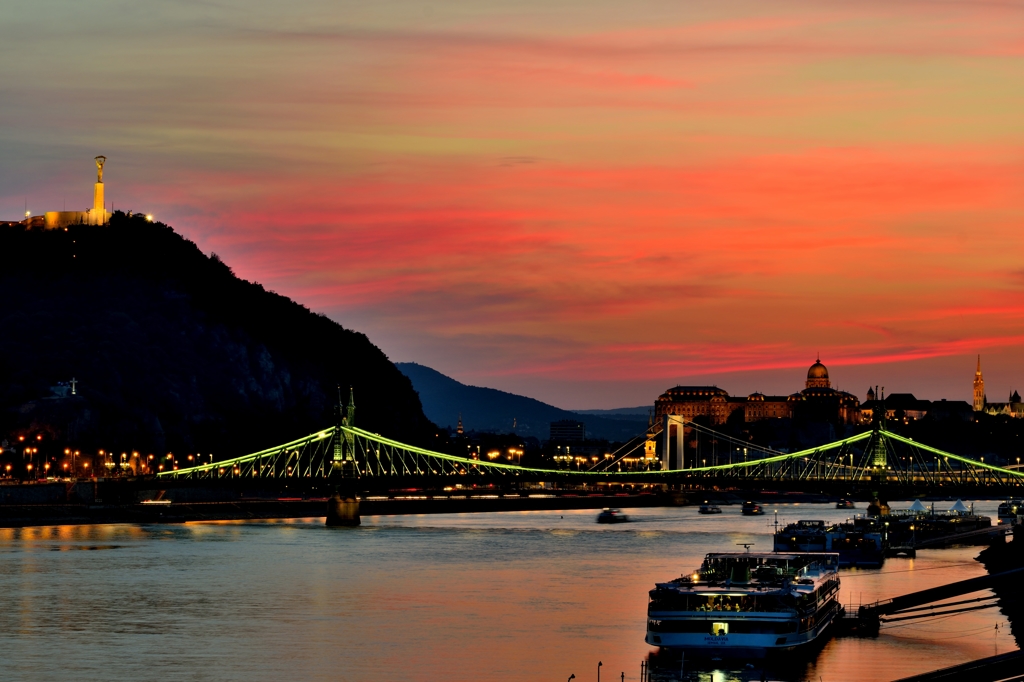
(488, 409)
(619, 412)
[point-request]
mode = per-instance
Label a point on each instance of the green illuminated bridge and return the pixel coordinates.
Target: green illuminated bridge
(874, 458)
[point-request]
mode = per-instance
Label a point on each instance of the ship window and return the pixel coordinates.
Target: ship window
(694, 626)
(718, 629)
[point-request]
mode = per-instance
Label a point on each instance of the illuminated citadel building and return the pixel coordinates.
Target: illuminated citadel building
(97, 215)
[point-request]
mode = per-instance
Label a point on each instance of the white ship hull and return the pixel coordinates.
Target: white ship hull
(740, 645)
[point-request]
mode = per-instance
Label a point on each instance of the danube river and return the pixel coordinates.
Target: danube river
(499, 596)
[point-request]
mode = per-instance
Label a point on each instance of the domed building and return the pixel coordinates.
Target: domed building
(819, 402)
(817, 376)
(711, 405)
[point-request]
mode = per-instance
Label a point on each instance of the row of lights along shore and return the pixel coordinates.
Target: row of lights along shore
(26, 460)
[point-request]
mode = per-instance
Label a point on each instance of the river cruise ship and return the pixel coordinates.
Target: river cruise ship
(746, 605)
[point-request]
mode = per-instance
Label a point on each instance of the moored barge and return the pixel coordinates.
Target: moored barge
(1010, 510)
(859, 544)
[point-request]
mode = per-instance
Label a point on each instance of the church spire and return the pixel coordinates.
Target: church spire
(979, 389)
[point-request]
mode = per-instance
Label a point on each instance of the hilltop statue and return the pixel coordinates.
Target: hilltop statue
(97, 215)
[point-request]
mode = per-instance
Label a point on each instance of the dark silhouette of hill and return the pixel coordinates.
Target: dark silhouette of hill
(488, 409)
(172, 352)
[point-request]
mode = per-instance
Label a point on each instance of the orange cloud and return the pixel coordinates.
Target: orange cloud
(541, 199)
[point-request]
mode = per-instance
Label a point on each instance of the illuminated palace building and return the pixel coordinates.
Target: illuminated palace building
(817, 402)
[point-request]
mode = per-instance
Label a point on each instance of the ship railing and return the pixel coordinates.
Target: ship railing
(664, 609)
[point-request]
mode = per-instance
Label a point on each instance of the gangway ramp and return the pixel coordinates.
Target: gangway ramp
(915, 604)
(1007, 667)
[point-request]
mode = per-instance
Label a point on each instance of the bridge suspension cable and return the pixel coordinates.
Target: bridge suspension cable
(872, 455)
(621, 453)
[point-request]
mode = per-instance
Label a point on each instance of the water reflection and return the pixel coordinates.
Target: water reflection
(533, 595)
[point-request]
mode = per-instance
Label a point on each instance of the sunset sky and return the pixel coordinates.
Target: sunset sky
(585, 202)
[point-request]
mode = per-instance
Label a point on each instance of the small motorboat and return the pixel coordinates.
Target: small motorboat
(845, 504)
(612, 516)
(1010, 510)
(752, 509)
(707, 508)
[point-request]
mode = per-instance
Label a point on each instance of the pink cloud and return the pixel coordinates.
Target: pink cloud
(562, 196)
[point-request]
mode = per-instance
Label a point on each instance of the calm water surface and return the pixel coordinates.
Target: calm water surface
(502, 596)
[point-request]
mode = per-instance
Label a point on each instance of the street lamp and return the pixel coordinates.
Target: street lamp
(599, 664)
(571, 678)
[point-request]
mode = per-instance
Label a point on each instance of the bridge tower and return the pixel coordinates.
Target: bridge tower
(879, 456)
(343, 507)
(339, 449)
(350, 421)
(344, 442)
(672, 440)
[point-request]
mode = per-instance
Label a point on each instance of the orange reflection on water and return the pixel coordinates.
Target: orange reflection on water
(501, 596)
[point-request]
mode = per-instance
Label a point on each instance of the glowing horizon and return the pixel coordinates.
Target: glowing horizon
(585, 203)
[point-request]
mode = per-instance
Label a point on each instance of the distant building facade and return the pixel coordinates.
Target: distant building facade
(897, 406)
(906, 407)
(1013, 407)
(818, 401)
(822, 403)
